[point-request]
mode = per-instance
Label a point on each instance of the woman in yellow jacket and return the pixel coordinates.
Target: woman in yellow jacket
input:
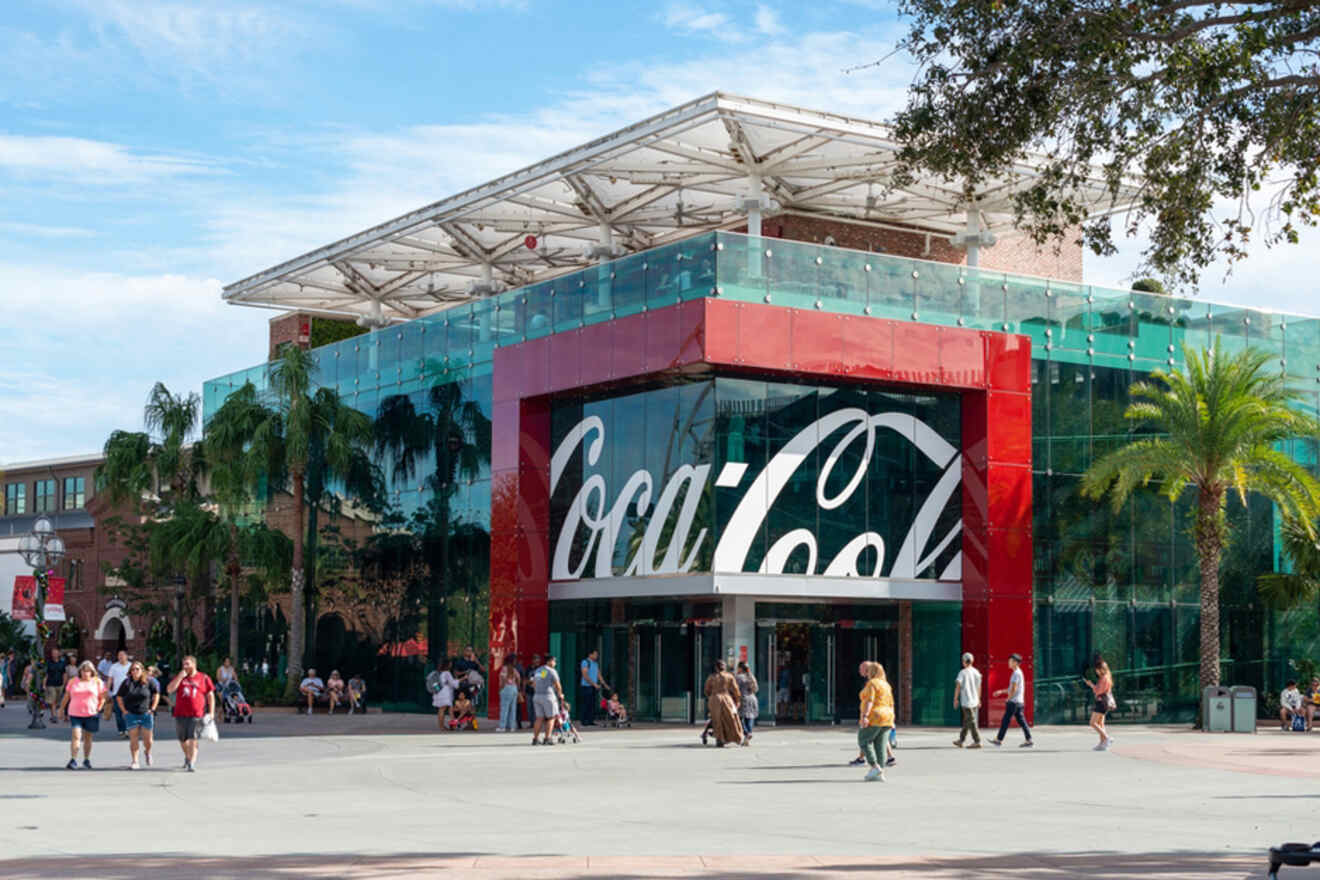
(875, 719)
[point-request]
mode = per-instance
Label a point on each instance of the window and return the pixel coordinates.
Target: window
(75, 493)
(73, 574)
(43, 496)
(15, 499)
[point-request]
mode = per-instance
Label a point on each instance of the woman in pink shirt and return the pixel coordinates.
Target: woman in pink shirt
(84, 697)
(1103, 687)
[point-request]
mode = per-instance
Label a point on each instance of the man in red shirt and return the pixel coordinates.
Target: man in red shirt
(194, 703)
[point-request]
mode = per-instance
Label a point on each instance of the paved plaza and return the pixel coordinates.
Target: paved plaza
(386, 796)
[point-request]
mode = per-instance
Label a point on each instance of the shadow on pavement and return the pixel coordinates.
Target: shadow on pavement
(1031, 866)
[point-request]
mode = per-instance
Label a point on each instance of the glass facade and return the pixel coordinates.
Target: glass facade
(1123, 583)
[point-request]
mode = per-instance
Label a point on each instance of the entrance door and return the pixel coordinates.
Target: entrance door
(707, 645)
(674, 657)
(788, 671)
(820, 676)
(645, 672)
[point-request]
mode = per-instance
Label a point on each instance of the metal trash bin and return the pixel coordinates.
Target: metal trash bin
(1216, 709)
(1244, 708)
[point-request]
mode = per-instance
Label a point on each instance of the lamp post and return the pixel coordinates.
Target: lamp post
(40, 548)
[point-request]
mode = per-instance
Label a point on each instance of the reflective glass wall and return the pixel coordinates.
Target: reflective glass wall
(1123, 583)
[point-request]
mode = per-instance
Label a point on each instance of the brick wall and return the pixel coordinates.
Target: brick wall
(1010, 254)
(295, 327)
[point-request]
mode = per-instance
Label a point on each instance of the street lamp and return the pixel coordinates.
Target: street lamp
(42, 549)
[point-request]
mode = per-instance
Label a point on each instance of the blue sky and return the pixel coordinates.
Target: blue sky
(152, 151)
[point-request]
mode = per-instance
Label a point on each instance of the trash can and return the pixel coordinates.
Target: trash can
(1244, 708)
(1216, 709)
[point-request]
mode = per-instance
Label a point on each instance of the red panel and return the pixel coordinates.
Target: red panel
(962, 358)
(596, 342)
(533, 367)
(1009, 496)
(662, 338)
(504, 435)
(817, 340)
(1009, 554)
(629, 346)
(506, 379)
(722, 331)
(1008, 361)
(534, 434)
(565, 360)
(917, 353)
(868, 347)
(691, 332)
(764, 334)
(1008, 427)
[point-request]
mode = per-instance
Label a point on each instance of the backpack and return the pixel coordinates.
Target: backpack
(1299, 723)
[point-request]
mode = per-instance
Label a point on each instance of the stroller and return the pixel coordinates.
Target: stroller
(234, 706)
(567, 729)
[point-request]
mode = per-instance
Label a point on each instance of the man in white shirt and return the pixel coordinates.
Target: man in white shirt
(117, 672)
(311, 687)
(1290, 705)
(1017, 699)
(967, 698)
(103, 666)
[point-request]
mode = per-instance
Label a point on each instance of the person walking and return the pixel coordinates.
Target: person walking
(548, 694)
(137, 698)
(510, 688)
(194, 705)
(529, 690)
(750, 707)
(116, 676)
(1103, 688)
(589, 684)
(441, 684)
(1017, 700)
(967, 699)
(84, 697)
(56, 679)
(875, 718)
(722, 701)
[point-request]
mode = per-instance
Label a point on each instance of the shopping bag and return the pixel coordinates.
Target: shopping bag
(209, 731)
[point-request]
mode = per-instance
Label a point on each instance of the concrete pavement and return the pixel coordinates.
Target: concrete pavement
(385, 795)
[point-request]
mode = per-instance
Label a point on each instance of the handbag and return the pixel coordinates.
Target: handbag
(1110, 703)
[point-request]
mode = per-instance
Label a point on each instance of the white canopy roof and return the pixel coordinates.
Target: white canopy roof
(690, 169)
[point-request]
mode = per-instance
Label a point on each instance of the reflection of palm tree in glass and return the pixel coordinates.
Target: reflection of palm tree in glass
(457, 433)
(684, 430)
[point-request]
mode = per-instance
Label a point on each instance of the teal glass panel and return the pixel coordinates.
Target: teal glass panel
(460, 332)
(1154, 315)
(1230, 326)
(1069, 417)
(483, 331)
(510, 318)
(1069, 309)
(1191, 327)
(567, 295)
(696, 267)
(597, 293)
(941, 294)
(1026, 309)
(984, 300)
(844, 281)
(793, 269)
(627, 277)
(540, 309)
(893, 293)
(389, 342)
(664, 273)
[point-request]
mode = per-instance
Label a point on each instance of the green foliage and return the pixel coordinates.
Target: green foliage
(1215, 429)
(1301, 585)
(1195, 105)
(326, 330)
(12, 635)
(1149, 285)
(71, 634)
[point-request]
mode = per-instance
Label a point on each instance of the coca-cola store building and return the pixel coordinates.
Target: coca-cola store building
(721, 394)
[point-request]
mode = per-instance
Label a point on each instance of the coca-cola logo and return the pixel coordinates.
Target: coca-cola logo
(841, 444)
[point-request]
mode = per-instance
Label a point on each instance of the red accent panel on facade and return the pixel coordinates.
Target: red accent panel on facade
(993, 370)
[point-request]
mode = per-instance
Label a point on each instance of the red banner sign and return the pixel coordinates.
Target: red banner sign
(25, 598)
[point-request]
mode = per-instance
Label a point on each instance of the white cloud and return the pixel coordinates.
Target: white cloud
(91, 162)
(694, 20)
(95, 343)
(767, 21)
(37, 230)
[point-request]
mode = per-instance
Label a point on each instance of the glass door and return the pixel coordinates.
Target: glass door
(707, 644)
(765, 673)
(819, 678)
(674, 659)
(645, 677)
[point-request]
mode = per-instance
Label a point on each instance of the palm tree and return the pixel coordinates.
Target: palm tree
(457, 433)
(1294, 588)
(1213, 427)
(303, 424)
(158, 460)
(236, 473)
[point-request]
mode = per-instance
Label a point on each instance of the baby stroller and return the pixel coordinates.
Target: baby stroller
(616, 719)
(234, 706)
(567, 729)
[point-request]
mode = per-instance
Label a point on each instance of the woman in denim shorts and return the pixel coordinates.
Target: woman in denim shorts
(138, 697)
(84, 697)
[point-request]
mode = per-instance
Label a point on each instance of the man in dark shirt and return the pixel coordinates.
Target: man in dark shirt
(54, 682)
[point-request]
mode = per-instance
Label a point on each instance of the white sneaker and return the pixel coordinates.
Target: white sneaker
(873, 774)
(1098, 747)
(133, 765)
